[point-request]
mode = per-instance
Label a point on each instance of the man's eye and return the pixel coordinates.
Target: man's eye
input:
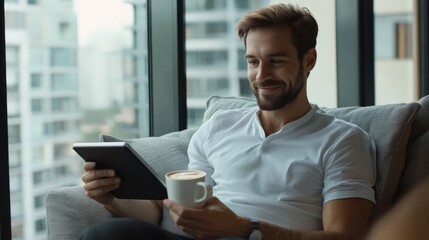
(276, 61)
(252, 61)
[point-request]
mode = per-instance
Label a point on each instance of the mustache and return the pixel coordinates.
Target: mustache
(269, 83)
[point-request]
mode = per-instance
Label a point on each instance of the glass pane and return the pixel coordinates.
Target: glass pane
(395, 48)
(215, 55)
(70, 73)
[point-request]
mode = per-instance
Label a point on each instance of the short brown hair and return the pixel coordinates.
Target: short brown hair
(303, 25)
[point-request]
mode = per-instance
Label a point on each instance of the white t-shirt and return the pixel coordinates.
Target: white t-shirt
(284, 178)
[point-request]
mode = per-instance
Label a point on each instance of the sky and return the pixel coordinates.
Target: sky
(103, 23)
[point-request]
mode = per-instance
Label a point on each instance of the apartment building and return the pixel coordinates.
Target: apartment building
(215, 63)
(43, 111)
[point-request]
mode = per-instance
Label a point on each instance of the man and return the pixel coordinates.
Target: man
(283, 170)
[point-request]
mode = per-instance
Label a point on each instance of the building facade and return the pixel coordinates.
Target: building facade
(43, 111)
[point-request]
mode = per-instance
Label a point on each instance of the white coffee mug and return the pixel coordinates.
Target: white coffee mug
(188, 188)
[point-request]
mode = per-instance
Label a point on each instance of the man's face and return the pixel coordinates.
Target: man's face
(275, 74)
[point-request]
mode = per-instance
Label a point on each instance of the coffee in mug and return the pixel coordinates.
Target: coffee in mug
(188, 188)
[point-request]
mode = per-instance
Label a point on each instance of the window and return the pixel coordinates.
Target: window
(14, 158)
(64, 29)
(204, 5)
(62, 150)
(215, 58)
(241, 4)
(36, 105)
(66, 76)
(36, 80)
(14, 132)
(40, 225)
(64, 57)
(194, 117)
(38, 57)
(64, 81)
(242, 62)
(12, 65)
(39, 201)
(17, 208)
(15, 182)
(244, 88)
(395, 47)
(206, 30)
(14, 20)
(13, 109)
(206, 58)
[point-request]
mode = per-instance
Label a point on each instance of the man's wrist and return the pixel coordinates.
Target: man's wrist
(256, 233)
(245, 227)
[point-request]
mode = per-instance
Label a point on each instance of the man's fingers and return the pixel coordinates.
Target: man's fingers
(102, 183)
(101, 191)
(98, 173)
(88, 166)
(180, 213)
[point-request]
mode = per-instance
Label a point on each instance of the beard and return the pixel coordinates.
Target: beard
(277, 101)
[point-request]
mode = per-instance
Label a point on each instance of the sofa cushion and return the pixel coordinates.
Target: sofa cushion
(165, 153)
(69, 210)
(417, 165)
(215, 103)
(389, 126)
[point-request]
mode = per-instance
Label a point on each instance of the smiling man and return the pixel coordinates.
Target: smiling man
(281, 170)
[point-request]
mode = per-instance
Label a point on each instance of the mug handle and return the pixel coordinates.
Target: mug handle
(208, 192)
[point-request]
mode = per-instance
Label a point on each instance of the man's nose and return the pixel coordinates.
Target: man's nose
(264, 72)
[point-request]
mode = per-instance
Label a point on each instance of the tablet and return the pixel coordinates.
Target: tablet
(138, 179)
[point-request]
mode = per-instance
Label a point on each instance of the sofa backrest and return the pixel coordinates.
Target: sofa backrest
(164, 154)
(400, 132)
(390, 126)
(417, 164)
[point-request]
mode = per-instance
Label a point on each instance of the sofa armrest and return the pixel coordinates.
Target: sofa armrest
(69, 210)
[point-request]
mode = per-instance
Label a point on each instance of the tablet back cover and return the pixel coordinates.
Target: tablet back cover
(138, 180)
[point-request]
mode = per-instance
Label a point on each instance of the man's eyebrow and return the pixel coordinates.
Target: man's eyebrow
(277, 54)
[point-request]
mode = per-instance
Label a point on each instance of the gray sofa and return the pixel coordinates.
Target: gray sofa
(400, 131)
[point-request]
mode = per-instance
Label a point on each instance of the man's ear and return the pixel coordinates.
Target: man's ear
(310, 60)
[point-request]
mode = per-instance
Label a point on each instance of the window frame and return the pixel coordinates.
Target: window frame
(5, 214)
(167, 67)
(423, 46)
(355, 67)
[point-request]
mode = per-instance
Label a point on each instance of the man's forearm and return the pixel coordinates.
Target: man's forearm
(147, 210)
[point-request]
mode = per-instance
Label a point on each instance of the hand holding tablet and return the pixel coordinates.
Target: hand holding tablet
(138, 180)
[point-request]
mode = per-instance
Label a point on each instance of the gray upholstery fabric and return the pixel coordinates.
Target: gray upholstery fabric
(68, 211)
(215, 103)
(417, 165)
(163, 154)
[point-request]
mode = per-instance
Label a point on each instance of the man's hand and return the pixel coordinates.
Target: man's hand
(214, 220)
(98, 183)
